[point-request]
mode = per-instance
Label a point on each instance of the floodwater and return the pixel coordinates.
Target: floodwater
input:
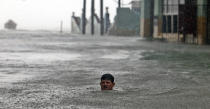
(62, 71)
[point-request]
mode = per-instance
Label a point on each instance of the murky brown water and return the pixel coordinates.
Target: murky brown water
(50, 70)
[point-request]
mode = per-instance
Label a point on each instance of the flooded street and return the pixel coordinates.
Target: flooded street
(61, 71)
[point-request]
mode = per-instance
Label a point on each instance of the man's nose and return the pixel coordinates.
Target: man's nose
(105, 83)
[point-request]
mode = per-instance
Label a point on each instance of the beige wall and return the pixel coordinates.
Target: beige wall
(202, 30)
(145, 28)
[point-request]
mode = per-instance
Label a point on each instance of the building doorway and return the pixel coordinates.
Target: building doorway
(208, 22)
(188, 19)
(151, 18)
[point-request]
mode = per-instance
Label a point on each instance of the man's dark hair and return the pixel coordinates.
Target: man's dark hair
(107, 77)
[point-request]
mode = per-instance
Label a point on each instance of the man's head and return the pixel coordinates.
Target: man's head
(107, 82)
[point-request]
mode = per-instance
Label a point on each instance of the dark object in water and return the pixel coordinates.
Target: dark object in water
(10, 24)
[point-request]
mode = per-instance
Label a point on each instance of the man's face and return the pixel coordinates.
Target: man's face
(106, 85)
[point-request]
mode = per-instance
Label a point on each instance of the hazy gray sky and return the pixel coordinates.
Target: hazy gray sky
(47, 14)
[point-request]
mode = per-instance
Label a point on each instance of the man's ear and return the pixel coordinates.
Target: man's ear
(113, 84)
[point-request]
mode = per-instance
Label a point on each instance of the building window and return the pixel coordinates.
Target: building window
(170, 7)
(164, 24)
(182, 2)
(175, 24)
(169, 24)
(170, 16)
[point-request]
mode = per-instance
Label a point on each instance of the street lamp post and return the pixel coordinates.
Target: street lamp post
(102, 17)
(84, 17)
(119, 3)
(92, 16)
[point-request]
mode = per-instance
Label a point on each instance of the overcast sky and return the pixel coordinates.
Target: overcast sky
(47, 14)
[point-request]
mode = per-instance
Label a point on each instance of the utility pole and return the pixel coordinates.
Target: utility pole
(61, 27)
(84, 17)
(119, 3)
(92, 16)
(102, 18)
(178, 21)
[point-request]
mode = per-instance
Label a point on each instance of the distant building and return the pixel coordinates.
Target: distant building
(126, 22)
(10, 24)
(135, 6)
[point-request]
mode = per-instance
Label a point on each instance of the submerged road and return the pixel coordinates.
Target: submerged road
(48, 70)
